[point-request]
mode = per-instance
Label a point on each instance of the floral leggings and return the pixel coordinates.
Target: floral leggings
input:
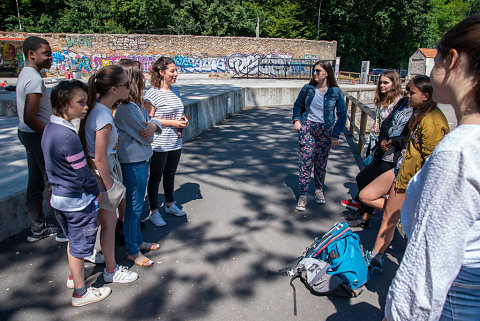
(314, 141)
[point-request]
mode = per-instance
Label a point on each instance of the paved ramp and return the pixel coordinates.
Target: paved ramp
(238, 185)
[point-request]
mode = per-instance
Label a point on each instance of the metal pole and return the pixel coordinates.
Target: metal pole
(18, 12)
(318, 21)
(258, 27)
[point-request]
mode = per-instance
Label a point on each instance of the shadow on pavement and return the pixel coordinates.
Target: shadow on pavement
(238, 184)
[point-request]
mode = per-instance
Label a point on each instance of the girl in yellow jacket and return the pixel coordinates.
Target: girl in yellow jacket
(428, 126)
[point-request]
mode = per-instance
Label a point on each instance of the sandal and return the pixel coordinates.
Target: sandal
(153, 246)
(145, 263)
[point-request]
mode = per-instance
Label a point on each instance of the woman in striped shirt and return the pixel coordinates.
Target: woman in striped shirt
(163, 102)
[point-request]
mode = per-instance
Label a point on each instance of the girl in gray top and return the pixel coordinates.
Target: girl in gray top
(135, 132)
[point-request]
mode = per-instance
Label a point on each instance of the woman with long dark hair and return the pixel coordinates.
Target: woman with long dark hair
(164, 103)
(439, 277)
(314, 120)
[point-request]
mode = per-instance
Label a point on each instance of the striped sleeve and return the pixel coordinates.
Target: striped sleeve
(75, 156)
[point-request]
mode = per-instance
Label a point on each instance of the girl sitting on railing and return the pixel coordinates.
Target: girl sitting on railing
(384, 156)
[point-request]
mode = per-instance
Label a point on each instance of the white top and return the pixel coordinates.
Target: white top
(99, 117)
(316, 113)
(30, 82)
(441, 215)
(168, 105)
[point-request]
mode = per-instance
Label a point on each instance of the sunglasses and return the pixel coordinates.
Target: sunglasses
(317, 71)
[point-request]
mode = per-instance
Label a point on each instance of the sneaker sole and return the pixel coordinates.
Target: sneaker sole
(178, 215)
(320, 201)
(61, 239)
(121, 282)
(301, 209)
(35, 239)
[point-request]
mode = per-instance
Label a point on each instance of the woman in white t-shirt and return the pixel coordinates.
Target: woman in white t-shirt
(163, 102)
(99, 137)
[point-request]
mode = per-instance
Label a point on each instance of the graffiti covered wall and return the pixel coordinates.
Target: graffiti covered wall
(236, 56)
(11, 58)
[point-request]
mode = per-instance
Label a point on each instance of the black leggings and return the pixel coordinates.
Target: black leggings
(162, 164)
(367, 175)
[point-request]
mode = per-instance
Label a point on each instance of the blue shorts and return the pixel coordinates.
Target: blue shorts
(463, 298)
(81, 229)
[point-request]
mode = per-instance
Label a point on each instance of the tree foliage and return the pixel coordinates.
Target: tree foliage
(385, 32)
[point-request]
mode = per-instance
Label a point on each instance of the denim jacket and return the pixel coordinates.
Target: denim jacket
(333, 99)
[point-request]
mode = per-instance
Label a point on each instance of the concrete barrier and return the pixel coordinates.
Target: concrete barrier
(202, 113)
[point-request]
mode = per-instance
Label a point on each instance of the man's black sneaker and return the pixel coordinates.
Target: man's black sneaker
(61, 238)
(46, 232)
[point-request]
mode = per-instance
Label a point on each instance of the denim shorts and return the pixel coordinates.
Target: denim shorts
(463, 298)
(81, 229)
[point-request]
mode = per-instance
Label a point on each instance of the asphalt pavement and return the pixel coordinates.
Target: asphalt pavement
(238, 183)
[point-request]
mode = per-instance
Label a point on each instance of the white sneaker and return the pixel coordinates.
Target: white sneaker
(120, 275)
(174, 210)
(95, 258)
(91, 296)
(157, 219)
(88, 270)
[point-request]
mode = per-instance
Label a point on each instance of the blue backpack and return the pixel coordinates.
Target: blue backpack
(331, 265)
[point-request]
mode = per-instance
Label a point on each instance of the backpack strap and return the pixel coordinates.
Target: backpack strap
(330, 241)
(289, 270)
(296, 275)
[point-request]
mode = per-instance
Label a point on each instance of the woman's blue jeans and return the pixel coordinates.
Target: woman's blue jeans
(463, 298)
(135, 176)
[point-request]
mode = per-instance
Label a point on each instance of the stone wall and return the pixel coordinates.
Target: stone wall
(235, 56)
(416, 64)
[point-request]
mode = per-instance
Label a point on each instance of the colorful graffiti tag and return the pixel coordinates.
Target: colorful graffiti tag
(11, 55)
(271, 65)
(88, 53)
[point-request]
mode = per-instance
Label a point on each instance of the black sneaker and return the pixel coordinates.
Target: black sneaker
(365, 224)
(46, 232)
(61, 238)
(353, 216)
